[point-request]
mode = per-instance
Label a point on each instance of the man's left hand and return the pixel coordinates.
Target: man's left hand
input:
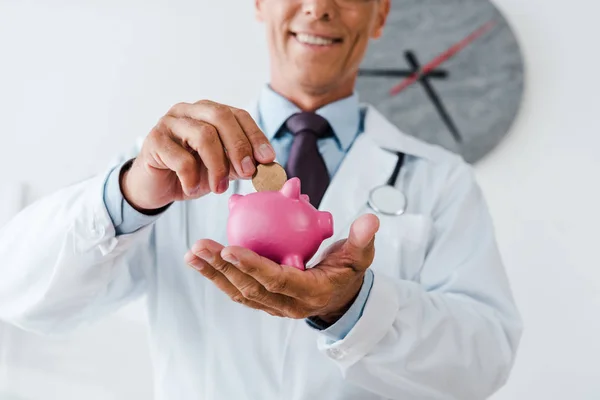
(326, 291)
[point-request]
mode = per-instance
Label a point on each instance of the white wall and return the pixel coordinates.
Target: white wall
(548, 221)
(80, 80)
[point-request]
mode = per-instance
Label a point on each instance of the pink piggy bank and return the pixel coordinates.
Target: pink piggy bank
(280, 225)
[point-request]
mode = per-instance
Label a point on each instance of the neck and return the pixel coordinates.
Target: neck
(311, 98)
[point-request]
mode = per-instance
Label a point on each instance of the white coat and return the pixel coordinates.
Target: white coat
(440, 322)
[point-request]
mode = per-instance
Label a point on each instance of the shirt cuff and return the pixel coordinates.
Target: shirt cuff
(344, 325)
(125, 218)
(387, 298)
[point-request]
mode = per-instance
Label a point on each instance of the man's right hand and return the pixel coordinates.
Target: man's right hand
(194, 149)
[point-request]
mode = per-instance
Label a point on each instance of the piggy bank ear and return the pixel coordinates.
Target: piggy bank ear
(233, 200)
(291, 189)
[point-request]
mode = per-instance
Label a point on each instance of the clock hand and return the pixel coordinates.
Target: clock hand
(395, 73)
(412, 60)
(445, 56)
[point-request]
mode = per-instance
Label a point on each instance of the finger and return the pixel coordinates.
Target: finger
(204, 187)
(239, 149)
(285, 280)
(221, 282)
(233, 175)
(360, 245)
(171, 155)
(250, 288)
(204, 139)
(263, 151)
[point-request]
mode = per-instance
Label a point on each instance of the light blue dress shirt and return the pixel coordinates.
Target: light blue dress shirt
(346, 120)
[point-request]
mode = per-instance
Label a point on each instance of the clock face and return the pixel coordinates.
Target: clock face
(449, 72)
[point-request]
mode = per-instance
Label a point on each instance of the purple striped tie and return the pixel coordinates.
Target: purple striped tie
(305, 161)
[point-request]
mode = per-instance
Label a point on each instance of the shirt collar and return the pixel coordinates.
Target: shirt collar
(343, 115)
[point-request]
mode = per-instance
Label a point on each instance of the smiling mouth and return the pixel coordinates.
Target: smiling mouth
(315, 40)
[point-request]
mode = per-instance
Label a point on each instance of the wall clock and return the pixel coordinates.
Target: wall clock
(449, 72)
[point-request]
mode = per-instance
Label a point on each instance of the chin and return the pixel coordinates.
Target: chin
(314, 75)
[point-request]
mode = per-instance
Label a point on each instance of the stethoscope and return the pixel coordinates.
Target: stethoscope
(386, 199)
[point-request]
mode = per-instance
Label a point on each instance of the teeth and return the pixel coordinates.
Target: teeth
(316, 40)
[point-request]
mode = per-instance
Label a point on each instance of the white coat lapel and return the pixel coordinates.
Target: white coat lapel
(366, 166)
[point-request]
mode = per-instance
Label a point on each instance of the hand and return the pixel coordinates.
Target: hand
(326, 291)
(194, 149)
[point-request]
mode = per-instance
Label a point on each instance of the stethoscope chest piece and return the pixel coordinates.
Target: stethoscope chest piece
(387, 200)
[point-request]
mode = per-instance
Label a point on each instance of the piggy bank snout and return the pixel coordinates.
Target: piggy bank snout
(326, 224)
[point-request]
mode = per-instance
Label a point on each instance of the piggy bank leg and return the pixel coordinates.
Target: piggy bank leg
(294, 261)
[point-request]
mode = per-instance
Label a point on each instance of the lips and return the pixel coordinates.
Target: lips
(316, 40)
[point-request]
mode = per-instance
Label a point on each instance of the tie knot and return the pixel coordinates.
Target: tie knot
(309, 121)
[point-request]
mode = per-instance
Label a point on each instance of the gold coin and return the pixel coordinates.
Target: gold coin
(269, 177)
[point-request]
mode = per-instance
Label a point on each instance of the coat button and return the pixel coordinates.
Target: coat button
(97, 231)
(336, 353)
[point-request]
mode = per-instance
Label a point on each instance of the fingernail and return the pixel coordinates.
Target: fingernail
(205, 255)
(230, 258)
(223, 185)
(198, 266)
(247, 166)
(194, 191)
(189, 257)
(266, 151)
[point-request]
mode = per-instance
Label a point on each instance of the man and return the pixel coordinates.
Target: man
(409, 307)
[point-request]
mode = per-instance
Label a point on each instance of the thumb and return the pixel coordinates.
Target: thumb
(361, 240)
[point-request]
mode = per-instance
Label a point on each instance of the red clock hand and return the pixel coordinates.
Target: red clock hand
(436, 62)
